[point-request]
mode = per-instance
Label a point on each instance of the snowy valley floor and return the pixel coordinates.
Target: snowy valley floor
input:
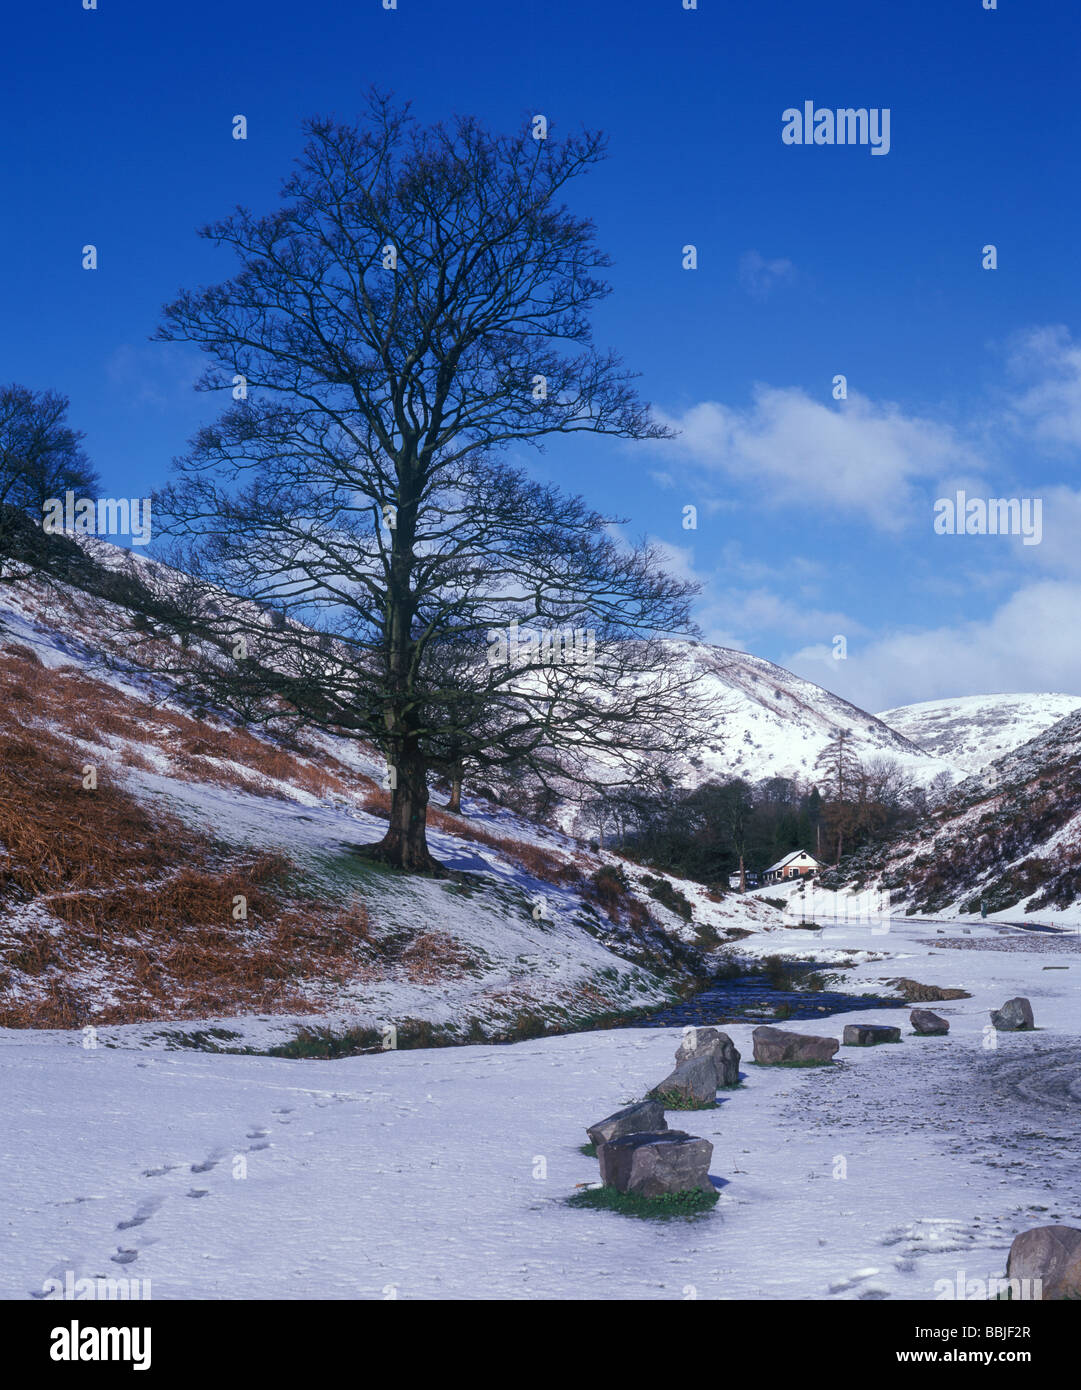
(444, 1173)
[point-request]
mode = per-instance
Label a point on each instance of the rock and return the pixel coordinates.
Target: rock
(928, 1024)
(653, 1165)
(694, 1082)
(773, 1046)
(1051, 1254)
(647, 1116)
(710, 1042)
(1015, 1016)
(915, 993)
(868, 1034)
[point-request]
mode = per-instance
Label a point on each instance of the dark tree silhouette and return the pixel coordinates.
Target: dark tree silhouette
(419, 303)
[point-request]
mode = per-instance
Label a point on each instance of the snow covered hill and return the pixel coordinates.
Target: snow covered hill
(775, 724)
(160, 862)
(1007, 838)
(973, 730)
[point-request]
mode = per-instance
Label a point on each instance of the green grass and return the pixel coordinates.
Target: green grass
(673, 1204)
(590, 1150)
(811, 1063)
(672, 1100)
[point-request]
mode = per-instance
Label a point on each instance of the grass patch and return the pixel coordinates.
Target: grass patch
(590, 1149)
(673, 1204)
(672, 1100)
(808, 1063)
(321, 1042)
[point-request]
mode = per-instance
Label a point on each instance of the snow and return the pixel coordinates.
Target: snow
(775, 724)
(443, 1173)
(973, 730)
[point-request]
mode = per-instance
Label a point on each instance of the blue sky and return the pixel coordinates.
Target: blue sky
(814, 515)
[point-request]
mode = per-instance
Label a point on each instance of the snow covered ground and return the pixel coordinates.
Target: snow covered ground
(443, 1173)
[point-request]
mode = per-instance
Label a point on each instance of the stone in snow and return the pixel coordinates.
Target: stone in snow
(699, 1042)
(693, 1081)
(645, 1116)
(1051, 1254)
(928, 1024)
(868, 1034)
(774, 1045)
(1015, 1016)
(653, 1165)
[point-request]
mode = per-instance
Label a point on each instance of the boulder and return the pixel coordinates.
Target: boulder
(774, 1046)
(709, 1042)
(652, 1165)
(1051, 1254)
(868, 1034)
(928, 1024)
(694, 1083)
(1015, 1016)
(645, 1116)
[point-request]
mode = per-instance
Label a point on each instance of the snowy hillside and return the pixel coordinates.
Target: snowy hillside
(973, 730)
(1008, 837)
(211, 872)
(775, 724)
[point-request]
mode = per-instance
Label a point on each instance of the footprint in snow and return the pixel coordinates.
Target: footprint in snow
(254, 1148)
(257, 1134)
(159, 1172)
(124, 1257)
(143, 1212)
(205, 1166)
(199, 1192)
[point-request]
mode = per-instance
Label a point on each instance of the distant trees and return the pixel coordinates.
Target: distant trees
(41, 457)
(419, 303)
(705, 833)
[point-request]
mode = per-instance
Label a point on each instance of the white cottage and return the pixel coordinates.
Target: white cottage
(798, 864)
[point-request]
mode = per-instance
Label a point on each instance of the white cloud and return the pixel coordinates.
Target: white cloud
(855, 456)
(1050, 409)
(1025, 646)
(759, 276)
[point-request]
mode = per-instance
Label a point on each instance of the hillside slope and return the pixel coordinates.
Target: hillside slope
(775, 724)
(1008, 837)
(973, 730)
(160, 862)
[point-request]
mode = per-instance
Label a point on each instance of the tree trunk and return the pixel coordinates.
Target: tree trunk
(455, 802)
(405, 845)
(742, 876)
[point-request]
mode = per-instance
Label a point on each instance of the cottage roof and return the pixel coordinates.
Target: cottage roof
(796, 854)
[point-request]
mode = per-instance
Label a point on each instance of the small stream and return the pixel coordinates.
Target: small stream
(753, 999)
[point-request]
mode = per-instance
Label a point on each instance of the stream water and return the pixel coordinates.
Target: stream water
(753, 999)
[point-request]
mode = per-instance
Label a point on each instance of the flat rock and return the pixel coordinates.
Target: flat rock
(774, 1046)
(1051, 1254)
(653, 1165)
(646, 1116)
(868, 1034)
(710, 1042)
(693, 1082)
(928, 1024)
(1015, 1016)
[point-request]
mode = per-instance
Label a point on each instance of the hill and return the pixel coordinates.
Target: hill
(1008, 837)
(974, 730)
(161, 862)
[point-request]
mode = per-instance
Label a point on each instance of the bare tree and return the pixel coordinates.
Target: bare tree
(419, 303)
(41, 458)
